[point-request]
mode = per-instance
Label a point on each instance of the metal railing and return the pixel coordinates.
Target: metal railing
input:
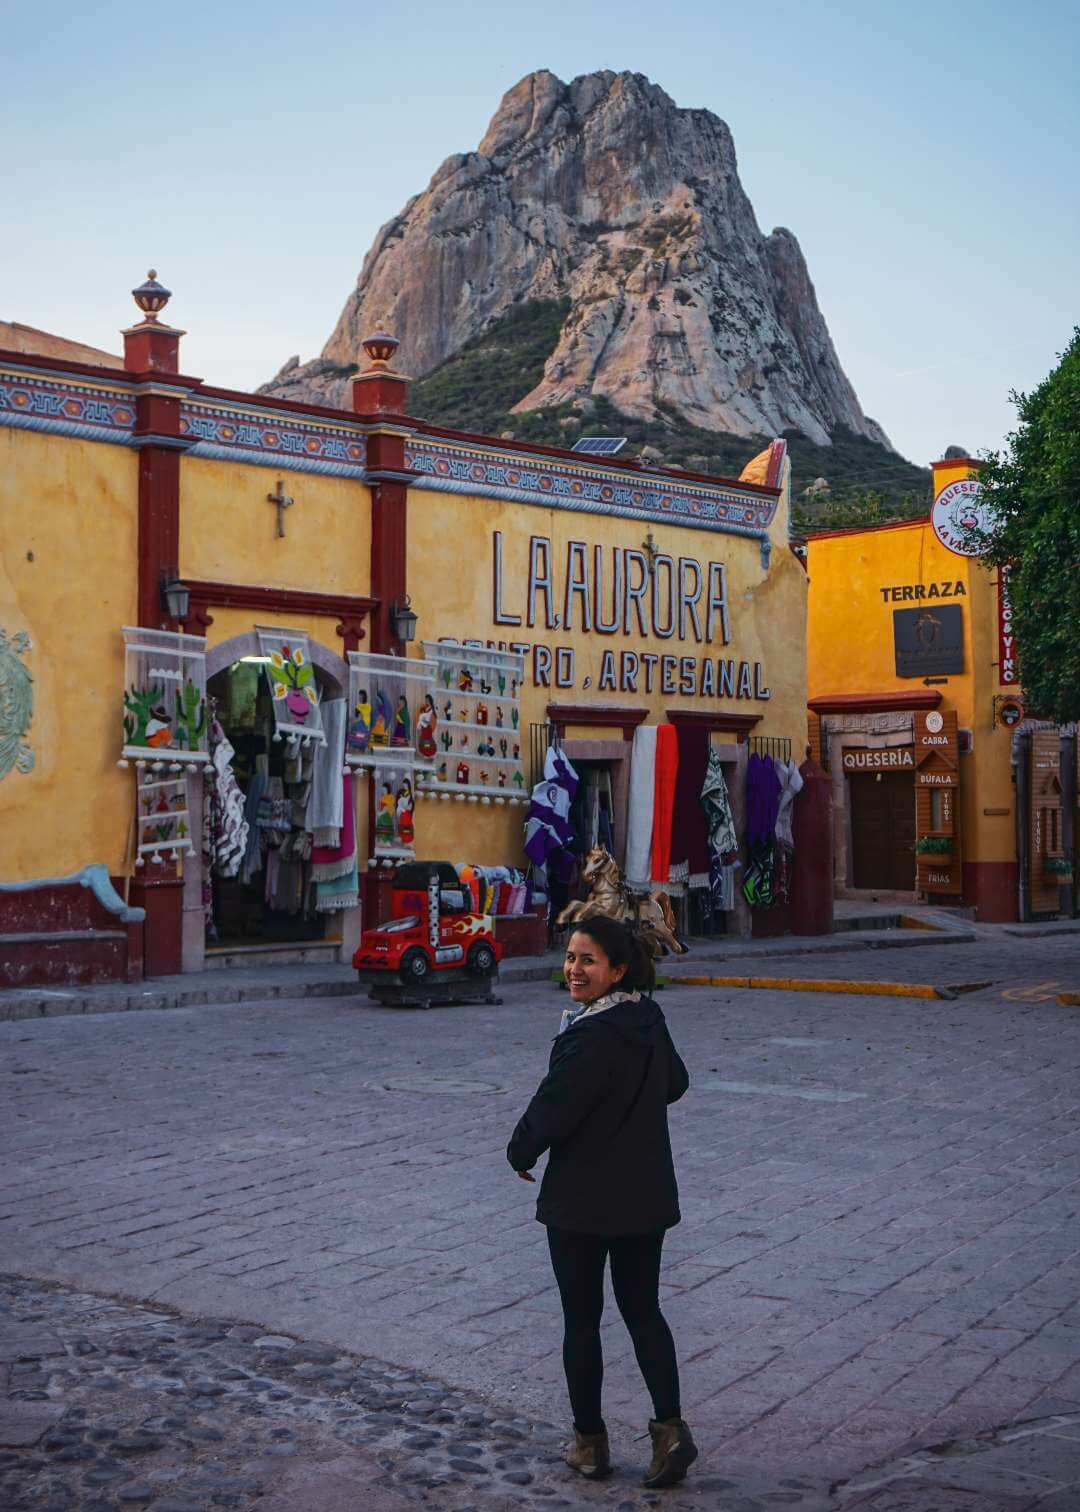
(776, 746)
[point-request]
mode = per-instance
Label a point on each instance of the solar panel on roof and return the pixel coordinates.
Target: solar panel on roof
(600, 446)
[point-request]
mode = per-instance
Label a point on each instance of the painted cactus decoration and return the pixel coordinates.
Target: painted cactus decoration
(16, 704)
(190, 715)
(144, 724)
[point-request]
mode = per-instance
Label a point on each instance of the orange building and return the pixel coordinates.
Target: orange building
(944, 786)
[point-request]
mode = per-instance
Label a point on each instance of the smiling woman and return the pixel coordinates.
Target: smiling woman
(609, 1188)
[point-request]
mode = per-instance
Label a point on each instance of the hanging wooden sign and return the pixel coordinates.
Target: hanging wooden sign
(937, 782)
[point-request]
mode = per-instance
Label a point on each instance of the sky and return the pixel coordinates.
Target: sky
(923, 152)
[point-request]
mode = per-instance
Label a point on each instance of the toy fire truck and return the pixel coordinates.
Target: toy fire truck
(433, 949)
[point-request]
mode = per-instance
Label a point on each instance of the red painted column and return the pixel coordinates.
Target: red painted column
(152, 355)
(812, 867)
(378, 396)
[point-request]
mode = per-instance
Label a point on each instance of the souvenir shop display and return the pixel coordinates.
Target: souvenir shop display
(164, 706)
(474, 719)
(722, 839)
(293, 688)
(162, 822)
(391, 734)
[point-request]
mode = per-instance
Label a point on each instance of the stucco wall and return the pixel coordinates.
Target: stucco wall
(451, 557)
(228, 528)
(67, 578)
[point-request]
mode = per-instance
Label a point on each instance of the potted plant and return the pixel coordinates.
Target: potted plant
(1058, 869)
(934, 847)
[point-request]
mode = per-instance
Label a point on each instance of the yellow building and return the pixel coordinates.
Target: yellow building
(135, 496)
(938, 785)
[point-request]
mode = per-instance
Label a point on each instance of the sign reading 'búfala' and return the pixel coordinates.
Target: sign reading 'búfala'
(929, 640)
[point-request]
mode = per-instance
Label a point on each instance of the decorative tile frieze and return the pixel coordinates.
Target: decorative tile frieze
(235, 433)
(88, 411)
(587, 489)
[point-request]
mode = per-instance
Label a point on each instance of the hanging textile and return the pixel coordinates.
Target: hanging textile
(293, 690)
(639, 833)
(162, 823)
(392, 710)
(477, 720)
(762, 808)
(791, 785)
(324, 804)
(164, 718)
(667, 774)
(257, 787)
(689, 830)
(716, 802)
(335, 872)
(548, 831)
(229, 828)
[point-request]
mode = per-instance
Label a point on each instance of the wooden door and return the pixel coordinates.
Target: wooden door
(883, 831)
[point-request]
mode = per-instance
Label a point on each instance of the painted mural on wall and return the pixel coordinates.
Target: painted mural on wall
(16, 703)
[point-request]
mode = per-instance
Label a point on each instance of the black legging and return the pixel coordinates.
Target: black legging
(578, 1261)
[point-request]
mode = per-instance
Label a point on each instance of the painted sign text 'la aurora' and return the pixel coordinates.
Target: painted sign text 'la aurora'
(623, 591)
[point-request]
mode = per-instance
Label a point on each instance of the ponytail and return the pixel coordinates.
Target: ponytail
(623, 947)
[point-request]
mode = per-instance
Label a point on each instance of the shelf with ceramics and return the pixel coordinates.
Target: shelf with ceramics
(478, 737)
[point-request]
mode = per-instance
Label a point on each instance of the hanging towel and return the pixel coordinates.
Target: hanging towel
(716, 801)
(639, 829)
(337, 880)
(791, 785)
(548, 831)
(324, 805)
(330, 862)
(667, 775)
(689, 832)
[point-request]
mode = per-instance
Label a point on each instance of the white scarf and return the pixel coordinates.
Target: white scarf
(574, 1014)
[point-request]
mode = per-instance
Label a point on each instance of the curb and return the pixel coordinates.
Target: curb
(821, 984)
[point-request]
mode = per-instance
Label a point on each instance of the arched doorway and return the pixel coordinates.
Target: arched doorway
(262, 912)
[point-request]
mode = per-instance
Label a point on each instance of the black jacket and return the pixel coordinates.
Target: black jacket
(602, 1112)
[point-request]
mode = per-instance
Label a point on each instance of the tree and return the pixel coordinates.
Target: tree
(1032, 492)
(858, 507)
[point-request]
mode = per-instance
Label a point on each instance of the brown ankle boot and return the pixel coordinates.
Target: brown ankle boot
(590, 1454)
(674, 1451)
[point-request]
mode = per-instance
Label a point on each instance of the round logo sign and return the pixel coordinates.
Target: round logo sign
(934, 722)
(1010, 712)
(958, 510)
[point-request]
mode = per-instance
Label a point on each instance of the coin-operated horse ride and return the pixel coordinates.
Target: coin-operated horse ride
(649, 914)
(433, 949)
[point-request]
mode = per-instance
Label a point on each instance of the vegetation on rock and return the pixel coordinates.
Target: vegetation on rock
(476, 389)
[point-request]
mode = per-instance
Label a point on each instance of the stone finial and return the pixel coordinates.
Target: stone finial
(151, 297)
(380, 348)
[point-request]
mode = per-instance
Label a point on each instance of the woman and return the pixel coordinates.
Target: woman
(609, 1187)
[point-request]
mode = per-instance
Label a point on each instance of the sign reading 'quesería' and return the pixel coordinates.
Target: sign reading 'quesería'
(884, 759)
(621, 591)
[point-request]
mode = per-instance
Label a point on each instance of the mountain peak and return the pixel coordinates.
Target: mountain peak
(604, 192)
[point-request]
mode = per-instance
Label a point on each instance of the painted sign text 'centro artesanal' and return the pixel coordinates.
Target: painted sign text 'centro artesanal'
(625, 592)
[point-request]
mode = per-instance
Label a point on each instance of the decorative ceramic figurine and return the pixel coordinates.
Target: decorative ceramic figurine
(405, 812)
(463, 773)
(427, 722)
(384, 821)
(481, 716)
(360, 727)
(498, 717)
(401, 729)
(464, 679)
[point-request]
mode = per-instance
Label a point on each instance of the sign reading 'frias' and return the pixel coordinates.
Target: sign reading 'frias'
(878, 759)
(958, 511)
(928, 640)
(620, 591)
